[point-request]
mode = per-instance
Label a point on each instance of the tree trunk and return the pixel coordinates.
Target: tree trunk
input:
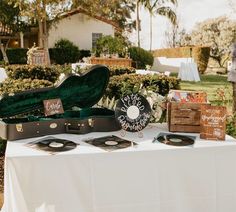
(138, 23)
(4, 54)
(40, 35)
(45, 41)
(150, 31)
(43, 38)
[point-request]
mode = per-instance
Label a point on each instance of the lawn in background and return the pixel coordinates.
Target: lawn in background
(218, 89)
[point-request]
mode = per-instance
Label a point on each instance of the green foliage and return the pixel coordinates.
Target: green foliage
(12, 86)
(110, 45)
(84, 53)
(10, 17)
(128, 83)
(217, 33)
(231, 125)
(141, 57)
(64, 52)
(16, 55)
(18, 72)
(201, 56)
(119, 70)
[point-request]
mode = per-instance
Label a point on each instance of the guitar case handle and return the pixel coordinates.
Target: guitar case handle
(81, 127)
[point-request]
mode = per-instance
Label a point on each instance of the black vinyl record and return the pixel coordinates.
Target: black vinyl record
(133, 112)
(110, 143)
(56, 145)
(175, 140)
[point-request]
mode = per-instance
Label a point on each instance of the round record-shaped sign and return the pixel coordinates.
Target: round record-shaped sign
(133, 112)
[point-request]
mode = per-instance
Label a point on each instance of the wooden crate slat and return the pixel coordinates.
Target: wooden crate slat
(184, 117)
(185, 128)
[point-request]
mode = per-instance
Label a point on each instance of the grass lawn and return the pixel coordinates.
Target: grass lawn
(211, 84)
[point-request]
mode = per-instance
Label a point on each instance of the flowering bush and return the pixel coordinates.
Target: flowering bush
(157, 103)
(131, 83)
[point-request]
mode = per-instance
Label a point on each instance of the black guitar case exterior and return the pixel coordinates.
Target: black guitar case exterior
(82, 91)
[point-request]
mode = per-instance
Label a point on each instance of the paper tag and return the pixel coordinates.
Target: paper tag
(52, 107)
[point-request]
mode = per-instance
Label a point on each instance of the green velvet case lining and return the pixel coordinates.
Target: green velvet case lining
(83, 114)
(81, 91)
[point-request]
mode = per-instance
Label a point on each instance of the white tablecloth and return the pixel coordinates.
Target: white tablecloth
(188, 71)
(150, 177)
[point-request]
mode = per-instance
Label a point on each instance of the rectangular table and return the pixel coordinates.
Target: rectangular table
(149, 177)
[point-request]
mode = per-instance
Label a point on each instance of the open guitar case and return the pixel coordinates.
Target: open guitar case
(82, 91)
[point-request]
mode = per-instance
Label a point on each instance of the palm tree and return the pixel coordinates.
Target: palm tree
(138, 29)
(160, 7)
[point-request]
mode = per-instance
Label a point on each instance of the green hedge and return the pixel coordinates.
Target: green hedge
(141, 57)
(120, 70)
(84, 53)
(127, 83)
(64, 51)
(13, 86)
(49, 73)
(57, 55)
(16, 55)
(200, 54)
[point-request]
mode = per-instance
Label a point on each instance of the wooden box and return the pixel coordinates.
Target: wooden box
(184, 117)
(111, 61)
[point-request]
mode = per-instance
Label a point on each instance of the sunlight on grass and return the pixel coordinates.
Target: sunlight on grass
(210, 84)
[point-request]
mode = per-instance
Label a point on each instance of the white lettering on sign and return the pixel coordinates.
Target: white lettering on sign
(134, 121)
(53, 107)
(213, 119)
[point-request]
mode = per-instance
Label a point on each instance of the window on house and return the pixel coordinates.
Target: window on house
(95, 37)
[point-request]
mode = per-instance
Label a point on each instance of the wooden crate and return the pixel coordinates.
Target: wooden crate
(184, 117)
(111, 61)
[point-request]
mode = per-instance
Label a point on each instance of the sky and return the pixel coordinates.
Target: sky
(189, 12)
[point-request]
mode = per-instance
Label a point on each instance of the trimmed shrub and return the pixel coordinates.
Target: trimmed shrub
(119, 70)
(84, 53)
(128, 83)
(16, 55)
(12, 86)
(141, 57)
(64, 52)
(200, 54)
(49, 73)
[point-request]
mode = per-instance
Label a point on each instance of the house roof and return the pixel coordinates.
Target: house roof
(83, 11)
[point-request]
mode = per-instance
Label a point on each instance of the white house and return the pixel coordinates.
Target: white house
(81, 28)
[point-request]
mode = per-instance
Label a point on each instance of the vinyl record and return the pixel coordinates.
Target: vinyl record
(110, 143)
(56, 145)
(133, 112)
(175, 140)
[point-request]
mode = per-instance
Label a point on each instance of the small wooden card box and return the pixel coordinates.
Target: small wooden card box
(184, 117)
(213, 122)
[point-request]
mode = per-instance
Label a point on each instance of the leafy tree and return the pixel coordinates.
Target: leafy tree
(43, 11)
(218, 33)
(10, 21)
(160, 7)
(118, 11)
(108, 44)
(138, 25)
(47, 11)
